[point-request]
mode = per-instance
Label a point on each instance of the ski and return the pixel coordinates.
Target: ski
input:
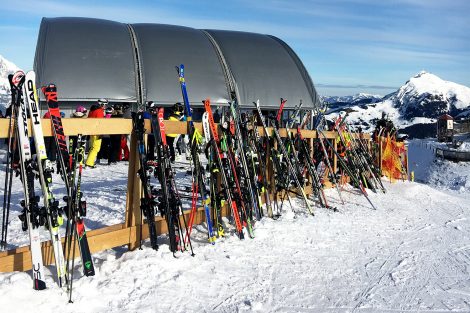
(10, 161)
(54, 213)
(242, 157)
(215, 142)
(261, 149)
(170, 204)
(31, 216)
(196, 139)
(284, 152)
(76, 207)
(215, 169)
(147, 202)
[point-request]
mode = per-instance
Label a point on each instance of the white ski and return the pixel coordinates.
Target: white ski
(54, 218)
(27, 177)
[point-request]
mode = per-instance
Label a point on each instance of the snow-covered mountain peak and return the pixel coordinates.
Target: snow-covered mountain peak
(422, 99)
(6, 67)
(426, 94)
(423, 72)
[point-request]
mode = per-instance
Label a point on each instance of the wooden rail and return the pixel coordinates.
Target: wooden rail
(127, 233)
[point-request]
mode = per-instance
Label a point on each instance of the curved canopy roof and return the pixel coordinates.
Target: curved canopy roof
(162, 47)
(263, 69)
(90, 59)
(87, 59)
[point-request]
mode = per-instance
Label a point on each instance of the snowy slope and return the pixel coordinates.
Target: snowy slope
(6, 67)
(412, 254)
(366, 116)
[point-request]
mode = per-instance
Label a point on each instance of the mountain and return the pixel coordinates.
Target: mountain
(413, 108)
(426, 95)
(6, 67)
(359, 98)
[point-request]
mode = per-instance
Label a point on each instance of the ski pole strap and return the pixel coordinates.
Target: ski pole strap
(197, 137)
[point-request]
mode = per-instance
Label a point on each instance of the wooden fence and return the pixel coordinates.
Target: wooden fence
(127, 233)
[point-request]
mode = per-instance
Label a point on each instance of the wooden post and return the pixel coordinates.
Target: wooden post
(380, 154)
(312, 153)
(335, 158)
(273, 179)
(134, 190)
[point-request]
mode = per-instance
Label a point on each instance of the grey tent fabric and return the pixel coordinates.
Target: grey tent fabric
(302, 70)
(162, 47)
(87, 59)
(90, 59)
(263, 69)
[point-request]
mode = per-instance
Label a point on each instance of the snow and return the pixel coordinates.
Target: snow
(465, 146)
(411, 254)
(352, 99)
(6, 67)
(437, 172)
(368, 117)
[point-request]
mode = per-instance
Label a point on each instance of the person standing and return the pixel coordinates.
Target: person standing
(104, 152)
(176, 115)
(114, 140)
(96, 111)
(80, 112)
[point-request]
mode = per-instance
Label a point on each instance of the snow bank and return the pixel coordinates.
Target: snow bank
(437, 172)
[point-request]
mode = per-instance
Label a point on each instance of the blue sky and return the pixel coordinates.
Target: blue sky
(347, 46)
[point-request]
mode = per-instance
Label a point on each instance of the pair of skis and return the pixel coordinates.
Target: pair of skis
(76, 206)
(199, 182)
(24, 101)
(222, 160)
(170, 203)
(292, 172)
(167, 199)
(32, 217)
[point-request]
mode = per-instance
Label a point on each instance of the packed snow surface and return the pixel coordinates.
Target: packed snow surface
(411, 254)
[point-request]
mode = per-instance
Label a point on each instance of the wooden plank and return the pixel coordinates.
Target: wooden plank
(108, 237)
(116, 126)
(101, 239)
(335, 158)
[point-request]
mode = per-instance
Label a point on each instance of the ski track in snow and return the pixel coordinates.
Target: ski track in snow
(411, 254)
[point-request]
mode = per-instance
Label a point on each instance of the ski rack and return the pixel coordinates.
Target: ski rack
(127, 233)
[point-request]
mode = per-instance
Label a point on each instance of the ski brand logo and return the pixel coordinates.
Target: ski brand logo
(25, 119)
(32, 102)
(88, 265)
(17, 77)
(162, 125)
(207, 106)
(37, 271)
(59, 132)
